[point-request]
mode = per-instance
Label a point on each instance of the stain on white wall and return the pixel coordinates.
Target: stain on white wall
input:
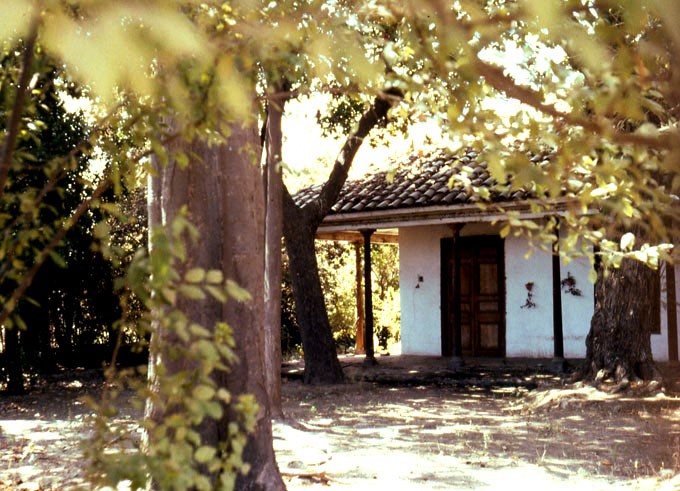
(528, 329)
(577, 310)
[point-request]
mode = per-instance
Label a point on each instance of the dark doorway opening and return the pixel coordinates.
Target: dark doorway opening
(481, 297)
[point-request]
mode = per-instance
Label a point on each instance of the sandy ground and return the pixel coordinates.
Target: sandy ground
(408, 424)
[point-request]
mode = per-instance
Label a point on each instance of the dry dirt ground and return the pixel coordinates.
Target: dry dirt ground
(408, 424)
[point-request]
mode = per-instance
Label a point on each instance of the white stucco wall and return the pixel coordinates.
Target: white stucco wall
(577, 311)
(529, 331)
(419, 289)
(660, 341)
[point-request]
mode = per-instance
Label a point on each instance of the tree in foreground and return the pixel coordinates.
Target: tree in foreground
(179, 84)
(193, 107)
(212, 191)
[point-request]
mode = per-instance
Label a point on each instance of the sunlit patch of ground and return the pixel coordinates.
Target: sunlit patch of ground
(40, 434)
(404, 427)
(426, 429)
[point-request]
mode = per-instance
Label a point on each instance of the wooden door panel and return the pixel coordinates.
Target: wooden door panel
(488, 305)
(466, 337)
(488, 336)
(481, 297)
(466, 279)
(488, 279)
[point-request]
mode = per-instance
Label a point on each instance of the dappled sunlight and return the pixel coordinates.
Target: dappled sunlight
(41, 432)
(446, 436)
(40, 449)
(36, 430)
(444, 433)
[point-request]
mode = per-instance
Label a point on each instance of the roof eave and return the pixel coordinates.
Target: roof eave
(439, 215)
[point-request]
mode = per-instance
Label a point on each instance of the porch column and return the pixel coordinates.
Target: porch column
(672, 313)
(558, 356)
(368, 300)
(456, 360)
(359, 343)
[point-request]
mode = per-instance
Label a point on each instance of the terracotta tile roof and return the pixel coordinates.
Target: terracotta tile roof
(419, 181)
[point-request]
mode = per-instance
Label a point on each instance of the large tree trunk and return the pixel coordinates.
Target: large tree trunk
(224, 196)
(273, 180)
(618, 345)
(321, 360)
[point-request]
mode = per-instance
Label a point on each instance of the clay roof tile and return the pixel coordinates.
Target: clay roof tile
(420, 180)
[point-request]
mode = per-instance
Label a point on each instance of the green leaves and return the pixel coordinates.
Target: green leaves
(176, 456)
(134, 38)
(194, 275)
(205, 454)
(191, 292)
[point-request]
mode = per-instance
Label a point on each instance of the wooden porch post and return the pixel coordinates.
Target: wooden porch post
(672, 313)
(457, 358)
(359, 343)
(558, 354)
(368, 300)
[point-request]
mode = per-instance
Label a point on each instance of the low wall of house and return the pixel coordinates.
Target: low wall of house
(528, 330)
(420, 289)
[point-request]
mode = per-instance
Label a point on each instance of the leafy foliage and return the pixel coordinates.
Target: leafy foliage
(172, 453)
(337, 271)
(592, 82)
(66, 316)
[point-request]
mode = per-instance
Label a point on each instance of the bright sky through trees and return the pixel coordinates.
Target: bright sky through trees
(309, 155)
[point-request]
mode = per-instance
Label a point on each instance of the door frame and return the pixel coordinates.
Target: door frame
(447, 288)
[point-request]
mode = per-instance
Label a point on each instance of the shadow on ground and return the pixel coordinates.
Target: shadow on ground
(408, 424)
(414, 424)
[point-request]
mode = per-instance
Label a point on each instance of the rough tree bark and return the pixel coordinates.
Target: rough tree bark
(224, 195)
(618, 345)
(300, 225)
(273, 183)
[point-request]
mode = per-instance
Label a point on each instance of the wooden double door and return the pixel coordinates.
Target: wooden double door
(477, 307)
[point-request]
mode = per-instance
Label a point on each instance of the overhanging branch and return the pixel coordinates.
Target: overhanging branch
(18, 107)
(331, 189)
(495, 77)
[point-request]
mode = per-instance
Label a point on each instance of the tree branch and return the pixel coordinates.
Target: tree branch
(26, 281)
(18, 106)
(502, 82)
(61, 169)
(331, 189)
(497, 79)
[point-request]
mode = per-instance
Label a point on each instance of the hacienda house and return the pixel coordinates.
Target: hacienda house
(453, 264)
